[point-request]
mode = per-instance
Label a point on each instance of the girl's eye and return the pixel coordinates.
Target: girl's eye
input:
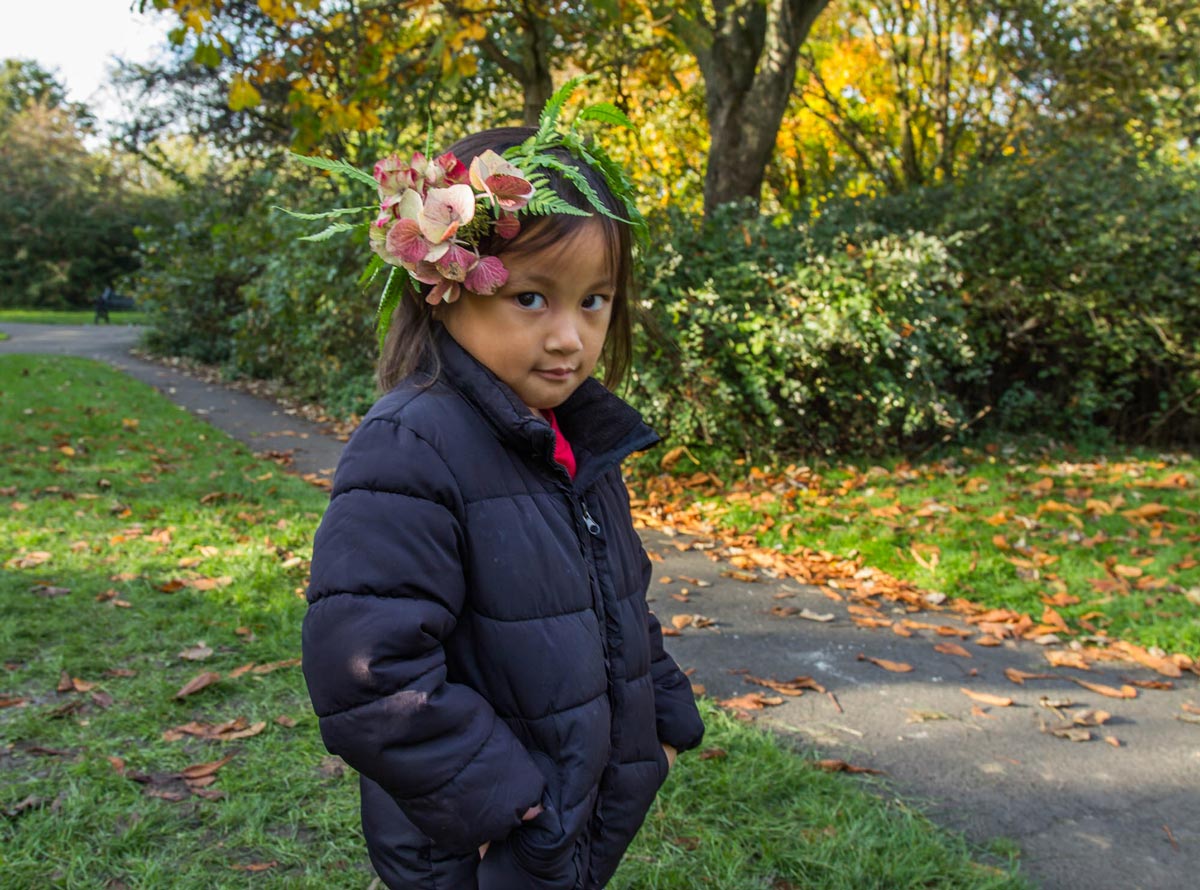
(595, 302)
(530, 300)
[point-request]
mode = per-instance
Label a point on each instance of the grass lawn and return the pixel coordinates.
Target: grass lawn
(1101, 542)
(67, 316)
(143, 549)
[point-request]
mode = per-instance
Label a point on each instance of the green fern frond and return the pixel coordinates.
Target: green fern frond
(335, 167)
(548, 120)
(334, 229)
(374, 265)
(605, 113)
(328, 214)
(388, 301)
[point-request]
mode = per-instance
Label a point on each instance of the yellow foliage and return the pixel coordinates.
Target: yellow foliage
(242, 94)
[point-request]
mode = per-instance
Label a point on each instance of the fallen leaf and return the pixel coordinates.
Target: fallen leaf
(1101, 689)
(12, 701)
(739, 576)
(276, 665)
(1151, 684)
(896, 667)
(1055, 704)
(713, 754)
(1071, 733)
(815, 616)
(200, 770)
(751, 701)
(48, 591)
(198, 682)
(1019, 676)
(681, 621)
(255, 866)
(1164, 666)
(793, 687)
(841, 766)
(1066, 658)
(952, 649)
(986, 698)
(1091, 718)
(199, 652)
(925, 716)
(284, 720)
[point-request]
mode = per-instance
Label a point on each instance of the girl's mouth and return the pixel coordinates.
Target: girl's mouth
(555, 373)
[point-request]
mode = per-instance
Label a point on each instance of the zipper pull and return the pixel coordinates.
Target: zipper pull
(593, 526)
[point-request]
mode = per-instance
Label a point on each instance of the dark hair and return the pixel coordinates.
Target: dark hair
(410, 343)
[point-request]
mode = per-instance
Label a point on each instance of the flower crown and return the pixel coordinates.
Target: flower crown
(434, 212)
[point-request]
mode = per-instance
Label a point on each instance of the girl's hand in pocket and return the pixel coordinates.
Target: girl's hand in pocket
(532, 813)
(671, 755)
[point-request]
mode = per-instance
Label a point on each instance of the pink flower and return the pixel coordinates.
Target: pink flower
(454, 170)
(445, 210)
(443, 290)
(406, 243)
(486, 276)
(507, 225)
(393, 176)
(501, 181)
(455, 262)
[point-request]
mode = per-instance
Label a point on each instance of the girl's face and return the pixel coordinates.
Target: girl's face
(543, 331)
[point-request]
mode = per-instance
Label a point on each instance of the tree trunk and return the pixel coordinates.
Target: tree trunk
(747, 55)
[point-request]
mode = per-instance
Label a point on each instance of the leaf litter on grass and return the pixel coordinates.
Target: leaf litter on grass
(991, 527)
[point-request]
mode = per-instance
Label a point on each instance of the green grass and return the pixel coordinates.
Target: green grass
(67, 316)
(763, 817)
(1107, 538)
(114, 494)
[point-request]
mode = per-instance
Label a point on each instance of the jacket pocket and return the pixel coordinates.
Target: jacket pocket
(541, 847)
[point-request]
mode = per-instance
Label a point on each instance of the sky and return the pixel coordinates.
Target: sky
(79, 39)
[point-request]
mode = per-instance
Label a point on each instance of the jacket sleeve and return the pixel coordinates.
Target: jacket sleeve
(676, 716)
(386, 590)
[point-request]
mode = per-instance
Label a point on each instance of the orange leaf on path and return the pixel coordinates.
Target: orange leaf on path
(986, 698)
(1100, 688)
(952, 649)
(1164, 666)
(795, 686)
(751, 701)
(896, 667)
(1019, 676)
(198, 682)
(1066, 658)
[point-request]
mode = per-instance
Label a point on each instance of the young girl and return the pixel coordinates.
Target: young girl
(478, 644)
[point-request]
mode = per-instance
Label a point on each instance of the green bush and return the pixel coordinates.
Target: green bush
(195, 259)
(1082, 275)
(304, 318)
(759, 342)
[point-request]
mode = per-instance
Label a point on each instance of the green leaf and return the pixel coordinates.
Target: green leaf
(334, 229)
(335, 167)
(392, 290)
(606, 113)
(374, 265)
(328, 214)
(548, 119)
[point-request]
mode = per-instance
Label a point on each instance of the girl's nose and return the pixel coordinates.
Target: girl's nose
(564, 335)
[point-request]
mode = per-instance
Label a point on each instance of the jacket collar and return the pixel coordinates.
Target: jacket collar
(603, 429)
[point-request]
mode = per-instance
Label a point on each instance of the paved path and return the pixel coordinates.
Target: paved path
(1084, 815)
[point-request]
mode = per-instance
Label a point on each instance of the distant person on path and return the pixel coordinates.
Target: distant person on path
(478, 644)
(102, 303)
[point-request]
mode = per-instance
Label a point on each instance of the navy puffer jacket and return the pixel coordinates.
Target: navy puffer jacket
(478, 640)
